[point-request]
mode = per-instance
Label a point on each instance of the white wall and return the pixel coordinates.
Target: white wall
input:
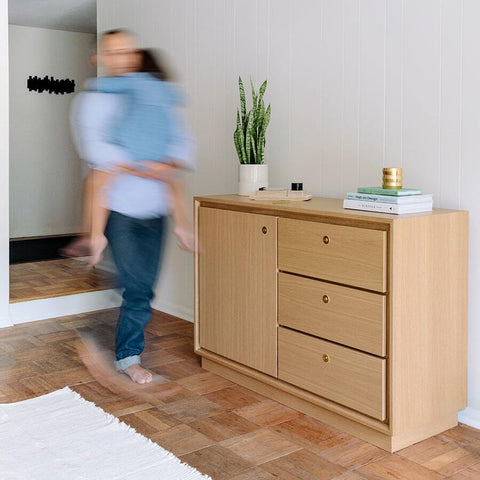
(45, 176)
(354, 85)
(4, 257)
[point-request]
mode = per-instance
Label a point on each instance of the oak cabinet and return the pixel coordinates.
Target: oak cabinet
(356, 318)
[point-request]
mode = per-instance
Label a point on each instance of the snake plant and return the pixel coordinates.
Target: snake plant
(249, 136)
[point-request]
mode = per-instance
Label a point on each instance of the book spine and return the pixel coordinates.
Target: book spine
(370, 206)
(401, 200)
(365, 197)
(381, 191)
(387, 207)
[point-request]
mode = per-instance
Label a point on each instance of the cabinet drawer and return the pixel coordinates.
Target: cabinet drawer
(344, 315)
(345, 376)
(350, 255)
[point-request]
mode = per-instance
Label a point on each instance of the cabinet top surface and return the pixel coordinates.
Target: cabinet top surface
(328, 207)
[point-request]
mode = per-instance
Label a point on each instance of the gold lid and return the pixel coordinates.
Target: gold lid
(392, 170)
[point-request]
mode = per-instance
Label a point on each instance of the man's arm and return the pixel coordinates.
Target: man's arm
(164, 172)
(100, 155)
(96, 153)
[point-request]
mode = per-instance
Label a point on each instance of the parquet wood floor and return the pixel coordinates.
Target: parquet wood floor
(223, 429)
(55, 278)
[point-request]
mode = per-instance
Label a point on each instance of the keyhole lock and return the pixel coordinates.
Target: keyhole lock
(326, 299)
(264, 230)
(325, 358)
(326, 240)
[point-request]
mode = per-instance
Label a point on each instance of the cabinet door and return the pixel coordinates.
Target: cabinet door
(237, 287)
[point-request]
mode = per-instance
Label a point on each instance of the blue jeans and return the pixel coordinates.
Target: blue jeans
(137, 248)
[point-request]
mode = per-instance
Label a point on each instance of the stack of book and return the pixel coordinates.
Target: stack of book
(377, 199)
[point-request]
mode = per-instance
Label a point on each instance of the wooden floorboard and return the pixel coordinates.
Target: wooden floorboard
(55, 278)
(223, 429)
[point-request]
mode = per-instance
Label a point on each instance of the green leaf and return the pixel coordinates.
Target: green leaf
(261, 117)
(241, 140)
(238, 148)
(254, 96)
(261, 92)
(253, 146)
(261, 144)
(262, 141)
(248, 138)
(243, 102)
(266, 119)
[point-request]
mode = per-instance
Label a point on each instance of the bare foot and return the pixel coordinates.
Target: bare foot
(185, 238)
(97, 246)
(138, 374)
(79, 247)
(100, 365)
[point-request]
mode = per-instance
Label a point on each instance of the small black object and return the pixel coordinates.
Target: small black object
(50, 85)
(297, 187)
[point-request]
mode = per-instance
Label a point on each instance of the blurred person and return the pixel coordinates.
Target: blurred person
(143, 130)
(136, 193)
(93, 241)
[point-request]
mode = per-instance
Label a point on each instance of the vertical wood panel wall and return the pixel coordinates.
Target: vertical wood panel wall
(354, 85)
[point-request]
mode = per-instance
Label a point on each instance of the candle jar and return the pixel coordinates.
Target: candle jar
(392, 178)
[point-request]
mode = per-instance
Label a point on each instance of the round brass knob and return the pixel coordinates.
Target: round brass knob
(326, 240)
(264, 230)
(326, 299)
(325, 358)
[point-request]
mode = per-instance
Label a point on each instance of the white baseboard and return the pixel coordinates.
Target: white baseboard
(5, 322)
(33, 310)
(470, 416)
(173, 309)
(23, 312)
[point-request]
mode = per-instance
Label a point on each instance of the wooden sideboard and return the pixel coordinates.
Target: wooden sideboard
(358, 319)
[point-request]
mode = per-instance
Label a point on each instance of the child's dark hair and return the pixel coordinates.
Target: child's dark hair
(117, 31)
(151, 63)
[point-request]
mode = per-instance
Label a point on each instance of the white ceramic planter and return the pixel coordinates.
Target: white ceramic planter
(251, 178)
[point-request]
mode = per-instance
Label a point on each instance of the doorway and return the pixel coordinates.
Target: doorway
(49, 45)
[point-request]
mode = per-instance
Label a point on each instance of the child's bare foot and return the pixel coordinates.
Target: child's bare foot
(97, 245)
(138, 374)
(79, 247)
(185, 238)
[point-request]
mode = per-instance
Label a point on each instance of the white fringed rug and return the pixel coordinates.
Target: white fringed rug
(62, 436)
